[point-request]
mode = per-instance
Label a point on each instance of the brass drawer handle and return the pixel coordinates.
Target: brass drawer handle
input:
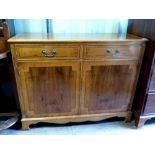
(109, 51)
(46, 53)
(54, 52)
(117, 52)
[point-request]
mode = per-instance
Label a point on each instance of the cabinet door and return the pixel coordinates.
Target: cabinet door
(108, 86)
(49, 88)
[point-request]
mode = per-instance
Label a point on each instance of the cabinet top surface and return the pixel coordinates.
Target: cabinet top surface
(74, 38)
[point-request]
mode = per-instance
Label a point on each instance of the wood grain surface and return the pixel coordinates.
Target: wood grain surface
(82, 82)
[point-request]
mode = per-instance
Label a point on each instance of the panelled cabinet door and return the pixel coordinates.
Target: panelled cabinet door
(108, 86)
(49, 88)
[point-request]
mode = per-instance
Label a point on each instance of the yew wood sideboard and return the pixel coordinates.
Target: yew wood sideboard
(73, 78)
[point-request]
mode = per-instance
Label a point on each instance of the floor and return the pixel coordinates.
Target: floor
(112, 136)
(106, 127)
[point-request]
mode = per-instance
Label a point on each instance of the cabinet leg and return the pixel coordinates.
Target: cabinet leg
(139, 122)
(25, 126)
(128, 118)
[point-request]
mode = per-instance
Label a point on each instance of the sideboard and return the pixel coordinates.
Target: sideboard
(75, 77)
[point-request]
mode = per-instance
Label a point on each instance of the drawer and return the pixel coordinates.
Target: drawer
(111, 51)
(152, 81)
(47, 51)
(150, 104)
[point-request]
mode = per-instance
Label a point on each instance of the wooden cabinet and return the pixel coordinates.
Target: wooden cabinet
(152, 81)
(74, 80)
(144, 101)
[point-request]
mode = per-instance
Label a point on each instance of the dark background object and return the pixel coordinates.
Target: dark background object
(8, 107)
(7, 78)
(144, 101)
(7, 86)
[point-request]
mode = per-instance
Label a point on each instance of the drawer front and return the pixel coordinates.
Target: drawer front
(50, 51)
(152, 82)
(112, 51)
(150, 104)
